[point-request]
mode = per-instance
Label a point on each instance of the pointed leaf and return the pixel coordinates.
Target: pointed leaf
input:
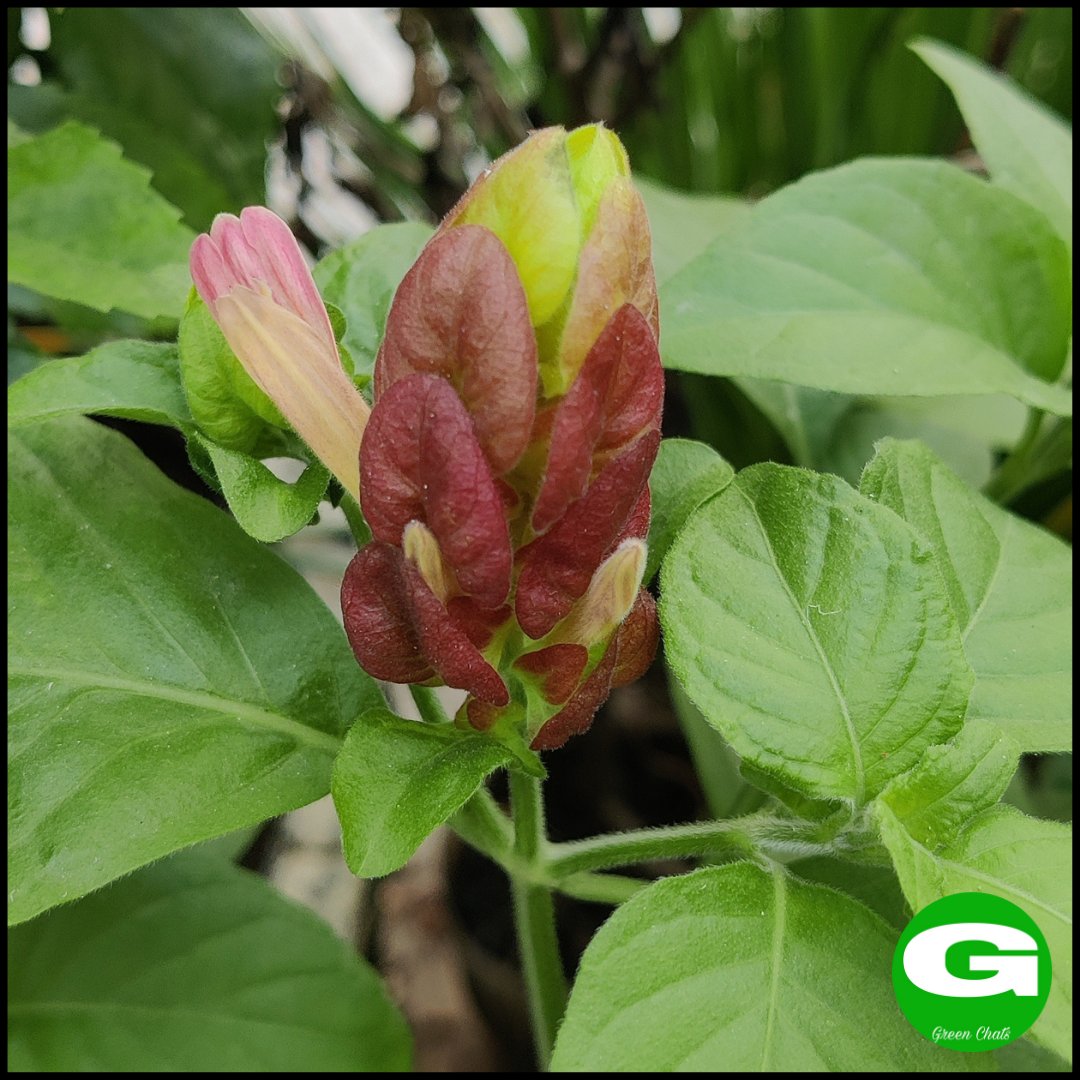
(194, 965)
(137, 380)
(396, 780)
(1010, 584)
(170, 679)
(867, 279)
(1027, 149)
(811, 628)
(735, 969)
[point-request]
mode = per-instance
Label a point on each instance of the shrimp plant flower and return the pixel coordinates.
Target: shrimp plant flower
(503, 468)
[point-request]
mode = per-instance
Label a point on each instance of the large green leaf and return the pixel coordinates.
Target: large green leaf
(194, 966)
(361, 278)
(84, 225)
(870, 278)
(169, 679)
(395, 780)
(1027, 149)
(811, 628)
(735, 969)
(188, 92)
(138, 380)
(1010, 585)
(685, 474)
(683, 225)
(1003, 852)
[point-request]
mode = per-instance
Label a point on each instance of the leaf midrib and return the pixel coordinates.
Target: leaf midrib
(199, 699)
(849, 725)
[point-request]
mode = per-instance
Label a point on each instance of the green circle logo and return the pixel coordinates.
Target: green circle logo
(972, 971)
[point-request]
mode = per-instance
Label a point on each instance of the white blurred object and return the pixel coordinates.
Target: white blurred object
(360, 44)
(663, 23)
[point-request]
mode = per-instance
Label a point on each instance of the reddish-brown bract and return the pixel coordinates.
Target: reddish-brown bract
(495, 496)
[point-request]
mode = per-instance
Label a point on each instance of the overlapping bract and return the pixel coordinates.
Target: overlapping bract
(504, 470)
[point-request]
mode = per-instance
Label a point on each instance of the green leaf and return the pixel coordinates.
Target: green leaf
(869, 279)
(970, 434)
(395, 780)
(1027, 1057)
(811, 628)
(736, 969)
(138, 380)
(188, 92)
(264, 505)
(875, 886)
(953, 783)
(1019, 858)
(170, 680)
(683, 225)
(1027, 149)
(685, 474)
(1010, 585)
(194, 966)
(84, 225)
(361, 278)
(222, 396)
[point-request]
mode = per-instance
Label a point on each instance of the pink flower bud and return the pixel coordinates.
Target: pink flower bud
(251, 273)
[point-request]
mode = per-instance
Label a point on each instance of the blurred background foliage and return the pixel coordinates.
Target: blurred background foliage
(340, 119)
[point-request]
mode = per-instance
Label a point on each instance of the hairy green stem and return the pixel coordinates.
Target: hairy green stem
(739, 836)
(534, 917)
(428, 705)
(355, 518)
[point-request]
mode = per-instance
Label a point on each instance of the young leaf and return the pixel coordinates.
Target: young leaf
(867, 279)
(811, 628)
(265, 506)
(1019, 858)
(953, 783)
(684, 475)
(1027, 149)
(170, 680)
(138, 380)
(1010, 585)
(84, 225)
(737, 969)
(360, 279)
(395, 780)
(194, 965)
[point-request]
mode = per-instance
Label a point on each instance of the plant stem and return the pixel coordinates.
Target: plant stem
(357, 525)
(601, 888)
(740, 836)
(1012, 475)
(482, 825)
(534, 917)
(428, 705)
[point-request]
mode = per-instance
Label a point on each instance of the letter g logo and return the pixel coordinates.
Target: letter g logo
(924, 961)
(972, 971)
